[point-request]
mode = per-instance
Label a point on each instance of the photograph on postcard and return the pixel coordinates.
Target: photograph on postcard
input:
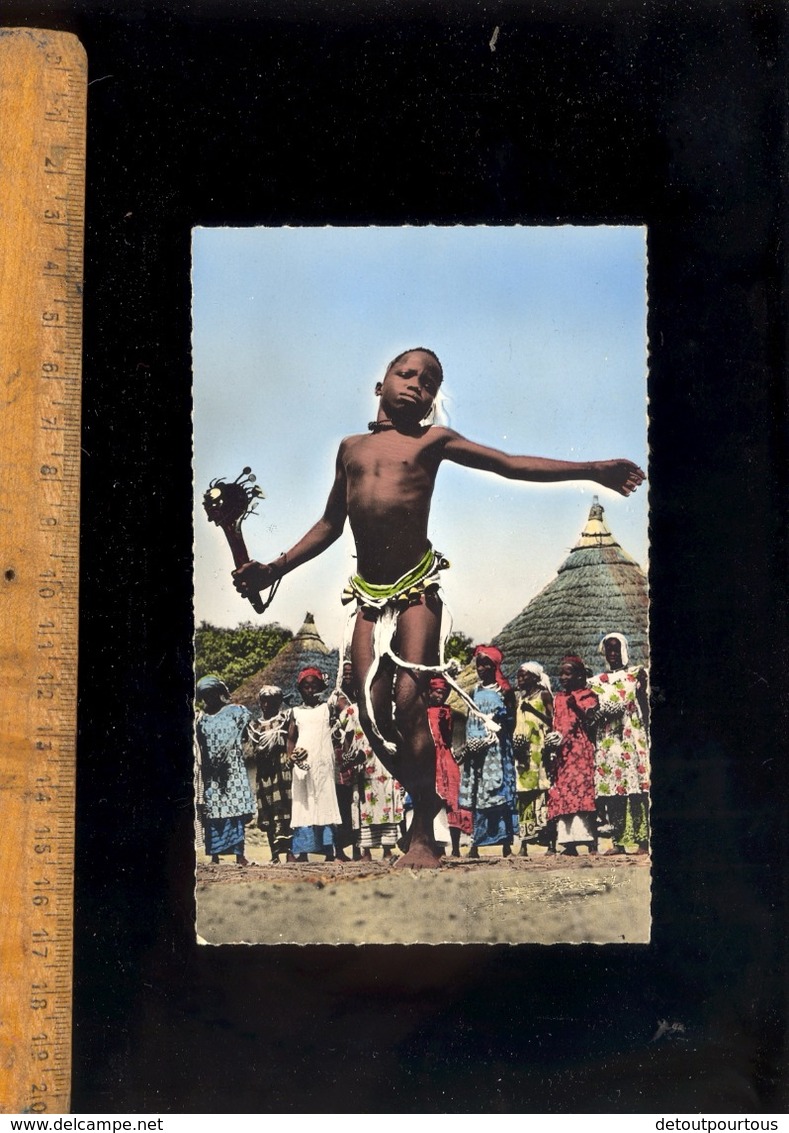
(422, 694)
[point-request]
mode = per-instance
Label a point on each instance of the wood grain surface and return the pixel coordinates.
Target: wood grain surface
(43, 86)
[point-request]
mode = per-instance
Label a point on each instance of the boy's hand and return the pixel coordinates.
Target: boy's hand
(253, 577)
(621, 475)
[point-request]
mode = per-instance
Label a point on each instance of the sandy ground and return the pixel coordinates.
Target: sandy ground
(539, 899)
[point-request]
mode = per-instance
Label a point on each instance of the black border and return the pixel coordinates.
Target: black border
(313, 113)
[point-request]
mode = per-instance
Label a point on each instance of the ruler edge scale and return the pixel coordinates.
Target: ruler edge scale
(37, 776)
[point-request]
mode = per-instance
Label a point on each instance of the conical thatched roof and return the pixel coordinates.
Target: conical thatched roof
(306, 648)
(598, 589)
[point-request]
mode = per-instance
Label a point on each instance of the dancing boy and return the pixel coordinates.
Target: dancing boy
(383, 485)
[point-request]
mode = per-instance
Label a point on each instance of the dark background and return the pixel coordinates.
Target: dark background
(673, 115)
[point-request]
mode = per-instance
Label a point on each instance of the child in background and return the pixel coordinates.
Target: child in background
(439, 717)
(487, 788)
(269, 736)
(570, 753)
(227, 796)
(533, 721)
(315, 812)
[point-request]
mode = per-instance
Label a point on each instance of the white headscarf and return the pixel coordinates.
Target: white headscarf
(620, 637)
(269, 691)
(536, 668)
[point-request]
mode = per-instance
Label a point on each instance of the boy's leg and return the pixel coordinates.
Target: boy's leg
(362, 658)
(417, 640)
(414, 765)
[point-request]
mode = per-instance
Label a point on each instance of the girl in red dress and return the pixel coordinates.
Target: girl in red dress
(570, 753)
(439, 716)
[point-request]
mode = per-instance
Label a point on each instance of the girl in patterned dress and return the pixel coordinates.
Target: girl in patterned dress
(487, 788)
(570, 751)
(533, 721)
(269, 737)
(622, 757)
(227, 795)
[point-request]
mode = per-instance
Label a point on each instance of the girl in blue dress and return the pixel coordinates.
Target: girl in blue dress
(227, 795)
(488, 787)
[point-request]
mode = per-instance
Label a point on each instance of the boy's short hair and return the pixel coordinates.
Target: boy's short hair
(421, 350)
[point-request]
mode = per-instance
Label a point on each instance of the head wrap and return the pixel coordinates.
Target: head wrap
(536, 668)
(211, 684)
(576, 662)
(311, 671)
(438, 684)
(496, 656)
(271, 691)
(620, 637)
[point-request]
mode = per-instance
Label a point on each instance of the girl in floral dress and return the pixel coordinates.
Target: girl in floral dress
(622, 757)
(380, 796)
(570, 755)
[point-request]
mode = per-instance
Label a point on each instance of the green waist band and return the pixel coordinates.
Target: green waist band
(392, 589)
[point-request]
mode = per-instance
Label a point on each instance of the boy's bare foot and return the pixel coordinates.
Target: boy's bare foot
(215, 859)
(506, 849)
(473, 852)
(420, 855)
(289, 857)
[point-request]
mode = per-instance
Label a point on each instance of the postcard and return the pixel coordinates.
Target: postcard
(435, 437)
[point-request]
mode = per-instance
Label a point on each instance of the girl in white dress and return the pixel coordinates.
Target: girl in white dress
(315, 812)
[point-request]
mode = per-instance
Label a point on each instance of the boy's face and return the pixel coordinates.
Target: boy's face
(437, 696)
(410, 385)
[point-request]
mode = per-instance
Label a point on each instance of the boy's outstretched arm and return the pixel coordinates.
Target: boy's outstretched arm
(254, 576)
(621, 475)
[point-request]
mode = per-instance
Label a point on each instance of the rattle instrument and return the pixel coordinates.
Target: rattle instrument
(227, 504)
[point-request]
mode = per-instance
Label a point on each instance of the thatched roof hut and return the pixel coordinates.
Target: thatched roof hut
(598, 589)
(306, 648)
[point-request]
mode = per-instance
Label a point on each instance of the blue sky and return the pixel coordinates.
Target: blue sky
(542, 337)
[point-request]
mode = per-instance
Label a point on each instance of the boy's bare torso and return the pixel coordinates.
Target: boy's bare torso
(389, 481)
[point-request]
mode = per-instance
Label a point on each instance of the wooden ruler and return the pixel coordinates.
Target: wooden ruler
(43, 86)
